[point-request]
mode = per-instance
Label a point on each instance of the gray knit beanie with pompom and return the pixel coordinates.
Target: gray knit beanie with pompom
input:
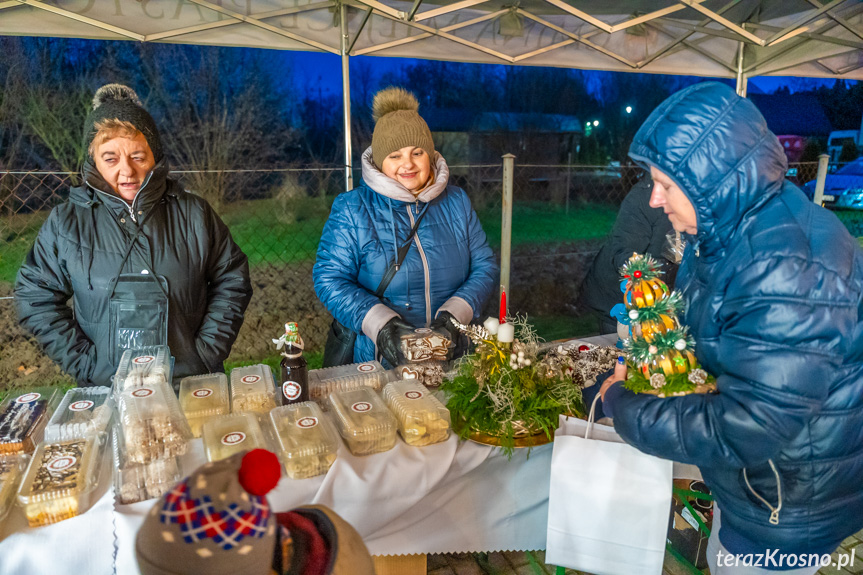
(116, 101)
(398, 125)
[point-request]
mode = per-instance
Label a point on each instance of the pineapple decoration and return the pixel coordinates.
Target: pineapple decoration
(660, 353)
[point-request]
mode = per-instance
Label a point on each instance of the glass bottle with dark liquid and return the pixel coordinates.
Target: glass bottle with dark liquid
(295, 370)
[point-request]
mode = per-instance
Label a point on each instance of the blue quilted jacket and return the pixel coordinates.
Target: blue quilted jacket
(449, 265)
(773, 288)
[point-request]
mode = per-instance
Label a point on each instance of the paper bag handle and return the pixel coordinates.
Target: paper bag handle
(590, 417)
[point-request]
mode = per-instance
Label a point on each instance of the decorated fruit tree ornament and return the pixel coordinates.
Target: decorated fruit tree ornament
(643, 288)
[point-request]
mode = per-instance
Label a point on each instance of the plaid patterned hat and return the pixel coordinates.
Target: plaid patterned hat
(216, 521)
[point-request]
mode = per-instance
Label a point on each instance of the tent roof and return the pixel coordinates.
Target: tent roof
(698, 37)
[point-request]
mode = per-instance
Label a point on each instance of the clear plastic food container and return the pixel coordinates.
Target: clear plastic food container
(364, 421)
(143, 366)
(425, 344)
(134, 482)
(308, 440)
(224, 436)
(151, 424)
(83, 411)
(322, 382)
(203, 397)
(253, 389)
(60, 479)
(11, 469)
(422, 418)
(23, 416)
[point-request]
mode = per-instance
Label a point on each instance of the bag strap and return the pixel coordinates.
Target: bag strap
(400, 256)
(591, 417)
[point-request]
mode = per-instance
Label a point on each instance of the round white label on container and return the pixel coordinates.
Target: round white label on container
(307, 422)
(362, 406)
(423, 330)
(366, 367)
(291, 389)
(233, 438)
(413, 394)
(82, 405)
(202, 393)
(143, 359)
(250, 379)
(28, 397)
(61, 463)
(145, 392)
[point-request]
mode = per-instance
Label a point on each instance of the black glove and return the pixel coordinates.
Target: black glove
(446, 328)
(389, 340)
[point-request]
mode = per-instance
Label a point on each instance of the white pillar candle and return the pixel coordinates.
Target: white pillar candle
(505, 333)
(491, 325)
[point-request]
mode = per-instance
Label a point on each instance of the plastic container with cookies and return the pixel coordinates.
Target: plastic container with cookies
(322, 382)
(425, 344)
(253, 389)
(23, 416)
(83, 411)
(422, 418)
(203, 397)
(224, 436)
(363, 420)
(134, 482)
(143, 366)
(308, 440)
(151, 424)
(11, 469)
(60, 479)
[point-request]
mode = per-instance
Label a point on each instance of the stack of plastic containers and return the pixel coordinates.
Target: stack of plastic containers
(363, 420)
(307, 439)
(143, 366)
(253, 389)
(422, 418)
(151, 431)
(224, 436)
(203, 397)
(323, 382)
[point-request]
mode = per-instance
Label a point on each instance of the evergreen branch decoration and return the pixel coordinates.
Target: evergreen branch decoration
(641, 267)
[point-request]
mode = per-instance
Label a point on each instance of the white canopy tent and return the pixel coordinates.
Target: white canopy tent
(720, 38)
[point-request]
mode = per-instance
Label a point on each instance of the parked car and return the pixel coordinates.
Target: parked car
(845, 185)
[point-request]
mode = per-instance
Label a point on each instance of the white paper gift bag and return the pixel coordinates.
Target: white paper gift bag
(608, 503)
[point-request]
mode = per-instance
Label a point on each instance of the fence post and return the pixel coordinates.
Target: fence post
(506, 225)
(568, 179)
(819, 197)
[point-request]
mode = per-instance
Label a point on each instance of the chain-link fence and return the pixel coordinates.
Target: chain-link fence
(561, 215)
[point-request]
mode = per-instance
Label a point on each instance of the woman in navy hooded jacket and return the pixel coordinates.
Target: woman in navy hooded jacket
(773, 289)
(449, 270)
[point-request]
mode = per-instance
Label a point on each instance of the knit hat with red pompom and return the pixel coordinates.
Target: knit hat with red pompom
(216, 521)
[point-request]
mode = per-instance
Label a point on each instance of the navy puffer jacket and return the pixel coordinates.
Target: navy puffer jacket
(449, 266)
(773, 288)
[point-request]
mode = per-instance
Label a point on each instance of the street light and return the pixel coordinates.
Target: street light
(629, 109)
(596, 123)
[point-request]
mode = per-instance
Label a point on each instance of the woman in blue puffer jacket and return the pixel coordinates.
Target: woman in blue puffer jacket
(774, 292)
(449, 270)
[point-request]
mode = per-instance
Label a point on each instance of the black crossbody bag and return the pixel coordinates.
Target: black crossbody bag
(339, 349)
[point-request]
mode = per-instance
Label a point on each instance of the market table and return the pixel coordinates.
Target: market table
(450, 497)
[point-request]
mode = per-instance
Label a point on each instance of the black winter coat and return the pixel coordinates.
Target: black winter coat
(774, 289)
(79, 250)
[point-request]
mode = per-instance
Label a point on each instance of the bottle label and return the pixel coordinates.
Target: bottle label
(307, 422)
(139, 393)
(413, 394)
(82, 405)
(250, 379)
(28, 398)
(233, 438)
(61, 463)
(202, 393)
(142, 359)
(292, 390)
(362, 406)
(366, 367)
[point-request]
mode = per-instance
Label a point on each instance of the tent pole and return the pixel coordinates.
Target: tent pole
(506, 225)
(741, 77)
(346, 95)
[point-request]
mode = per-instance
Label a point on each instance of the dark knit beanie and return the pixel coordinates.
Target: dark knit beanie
(116, 101)
(215, 522)
(398, 125)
